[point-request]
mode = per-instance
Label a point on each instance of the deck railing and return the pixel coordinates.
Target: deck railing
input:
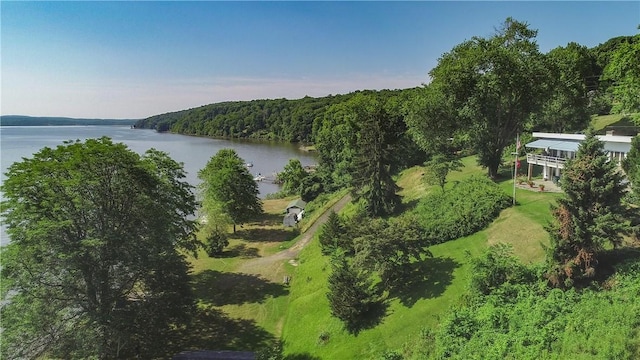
(550, 161)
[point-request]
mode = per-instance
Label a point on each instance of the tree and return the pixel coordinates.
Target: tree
(226, 180)
(292, 177)
(332, 233)
(380, 130)
(432, 121)
(631, 166)
(623, 69)
(93, 268)
(389, 247)
(350, 295)
(566, 110)
(589, 216)
(493, 85)
(439, 167)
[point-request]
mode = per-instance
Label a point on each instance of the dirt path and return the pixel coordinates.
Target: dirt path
(258, 264)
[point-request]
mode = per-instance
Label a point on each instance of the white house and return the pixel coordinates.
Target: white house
(294, 212)
(554, 149)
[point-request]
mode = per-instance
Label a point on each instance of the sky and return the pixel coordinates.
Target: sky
(138, 59)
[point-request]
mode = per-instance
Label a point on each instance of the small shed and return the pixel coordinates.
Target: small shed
(296, 206)
(290, 219)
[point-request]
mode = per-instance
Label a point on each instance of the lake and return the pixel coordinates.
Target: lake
(267, 158)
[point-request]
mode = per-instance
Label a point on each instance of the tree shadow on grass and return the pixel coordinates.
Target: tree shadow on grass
(428, 278)
(372, 318)
(241, 251)
(269, 219)
(225, 288)
(265, 234)
(301, 356)
(212, 329)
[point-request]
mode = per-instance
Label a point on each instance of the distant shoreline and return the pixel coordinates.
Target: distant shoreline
(21, 120)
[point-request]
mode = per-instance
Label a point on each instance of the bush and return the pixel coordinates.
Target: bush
(468, 207)
(496, 267)
(216, 242)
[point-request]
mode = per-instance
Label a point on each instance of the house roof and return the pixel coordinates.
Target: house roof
(570, 142)
(566, 145)
(297, 203)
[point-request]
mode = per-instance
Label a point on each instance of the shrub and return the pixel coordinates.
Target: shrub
(468, 207)
(496, 267)
(216, 242)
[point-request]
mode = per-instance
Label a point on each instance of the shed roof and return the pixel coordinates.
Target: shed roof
(297, 203)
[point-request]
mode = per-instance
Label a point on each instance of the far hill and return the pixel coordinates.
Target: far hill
(21, 120)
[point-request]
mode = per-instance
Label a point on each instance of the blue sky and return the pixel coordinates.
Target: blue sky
(137, 59)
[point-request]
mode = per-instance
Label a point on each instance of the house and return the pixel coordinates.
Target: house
(296, 206)
(551, 151)
(294, 212)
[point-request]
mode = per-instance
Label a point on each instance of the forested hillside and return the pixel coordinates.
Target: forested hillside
(580, 80)
(278, 119)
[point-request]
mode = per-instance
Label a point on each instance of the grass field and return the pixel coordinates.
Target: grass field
(256, 308)
(309, 327)
(251, 310)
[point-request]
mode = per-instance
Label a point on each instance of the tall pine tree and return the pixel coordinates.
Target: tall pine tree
(350, 295)
(381, 127)
(588, 217)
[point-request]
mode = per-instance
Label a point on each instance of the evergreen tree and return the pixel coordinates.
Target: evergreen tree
(631, 163)
(331, 234)
(373, 164)
(350, 294)
(589, 216)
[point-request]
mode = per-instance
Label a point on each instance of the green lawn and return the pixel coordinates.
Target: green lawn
(308, 315)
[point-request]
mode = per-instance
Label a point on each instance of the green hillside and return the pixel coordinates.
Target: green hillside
(309, 327)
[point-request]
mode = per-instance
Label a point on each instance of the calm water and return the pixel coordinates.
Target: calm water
(17, 142)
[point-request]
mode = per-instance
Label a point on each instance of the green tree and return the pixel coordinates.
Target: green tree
(493, 85)
(589, 216)
(631, 166)
(381, 127)
(351, 295)
(214, 224)
(624, 71)
(292, 177)
(226, 180)
(566, 110)
(332, 233)
(439, 167)
(93, 269)
(389, 247)
(432, 121)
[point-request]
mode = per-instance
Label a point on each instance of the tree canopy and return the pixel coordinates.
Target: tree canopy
(489, 88)
(93, 268)
(226, 180)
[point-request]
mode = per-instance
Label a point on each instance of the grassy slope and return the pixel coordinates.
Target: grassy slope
(308, 314)
(602, 121)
